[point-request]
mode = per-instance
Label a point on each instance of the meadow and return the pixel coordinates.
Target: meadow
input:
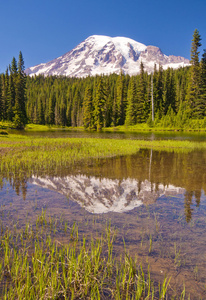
(40, 154)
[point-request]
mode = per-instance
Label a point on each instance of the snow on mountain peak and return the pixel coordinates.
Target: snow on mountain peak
(103, 195)
(100, 54)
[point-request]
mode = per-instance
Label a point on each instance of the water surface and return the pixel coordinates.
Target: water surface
(156, 201)
(169, 135)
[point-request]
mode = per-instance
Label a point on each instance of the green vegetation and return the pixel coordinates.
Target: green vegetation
(13, 94)
(179, 97)
(37, 154)
(35, 265)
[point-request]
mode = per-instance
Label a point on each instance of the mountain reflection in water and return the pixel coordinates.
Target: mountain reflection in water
(103, 195)
(121, 183)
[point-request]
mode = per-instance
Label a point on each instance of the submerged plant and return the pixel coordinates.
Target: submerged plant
(34, 265)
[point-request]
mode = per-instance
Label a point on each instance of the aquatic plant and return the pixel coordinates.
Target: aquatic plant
(34, 264)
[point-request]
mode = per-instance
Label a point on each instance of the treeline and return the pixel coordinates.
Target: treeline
(13, 94)
(104, 101)
(164, 98)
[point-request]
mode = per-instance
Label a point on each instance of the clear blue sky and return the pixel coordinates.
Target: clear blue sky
(46, 29)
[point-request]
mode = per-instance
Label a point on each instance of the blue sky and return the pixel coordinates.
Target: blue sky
(46, 29)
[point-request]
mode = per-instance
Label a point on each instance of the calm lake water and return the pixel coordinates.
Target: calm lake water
(191, 136)
(155, 200)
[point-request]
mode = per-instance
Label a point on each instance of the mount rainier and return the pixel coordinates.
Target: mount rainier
(106, 55)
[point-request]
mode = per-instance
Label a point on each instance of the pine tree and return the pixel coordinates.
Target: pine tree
(51, 111)
(169, 91)
(201, 105)
(120, 100)
(20, 117)
(131, 111)
(75, 107)
(194, 81)
(141, 96)
(13, 68)
(11, 98)
(88, 109)
(99, 104)
(40, 113)
(159, 91)
(1, 105)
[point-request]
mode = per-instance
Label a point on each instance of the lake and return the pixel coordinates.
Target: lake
(155, 200)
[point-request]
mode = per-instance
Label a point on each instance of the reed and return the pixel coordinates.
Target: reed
(41, 155)
(34, 265)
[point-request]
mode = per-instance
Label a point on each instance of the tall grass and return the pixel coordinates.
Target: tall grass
(43, 154)
(35, 265)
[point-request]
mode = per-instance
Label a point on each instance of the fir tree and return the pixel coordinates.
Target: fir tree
(20, 117)
(51, 111)
(75, 107)
(169, 91)
(88, 109)
(201, 105)
(131, 111)
(99, 104)
(194, 81)
(1, 105)
(11, 98)
(141, 96)
(120, 100)
(159, 91)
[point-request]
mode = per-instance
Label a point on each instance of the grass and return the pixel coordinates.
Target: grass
(20, 153)
(146, 128)
(35, 265)
(192, 126)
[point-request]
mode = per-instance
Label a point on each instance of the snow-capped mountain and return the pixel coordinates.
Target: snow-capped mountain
(105, 55)
(103, 195)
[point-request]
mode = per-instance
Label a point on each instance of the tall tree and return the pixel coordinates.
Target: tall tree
(141, 89)
(193, 92)
(120, 99)
(169, 91)
(88, 108)
(99, 104)
(20, 117)
(1, 104)
(131, 111)
(201, 105)
(5, 91)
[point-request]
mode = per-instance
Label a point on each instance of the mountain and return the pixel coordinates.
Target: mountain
(103, 195)
(105, 55)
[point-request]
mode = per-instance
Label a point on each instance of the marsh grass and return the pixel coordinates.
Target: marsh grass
(34, 264)
(21, 153)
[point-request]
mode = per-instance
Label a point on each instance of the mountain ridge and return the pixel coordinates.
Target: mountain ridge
(100, 54)
(103, 195)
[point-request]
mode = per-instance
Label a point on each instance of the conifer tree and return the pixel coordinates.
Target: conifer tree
(51, 111)
(11, 98)
(75, 107)
(193, 93)
(20, 117)
(131, 111)
(201, 105)
(13, 68)
(169, 91)
(5, 92)
(159, 91)
(141, 96)
(40, 112)
(99, 104)
(88, 109)
(1, 107)
(120, 100)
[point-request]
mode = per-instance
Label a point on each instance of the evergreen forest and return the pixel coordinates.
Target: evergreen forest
(166, 98)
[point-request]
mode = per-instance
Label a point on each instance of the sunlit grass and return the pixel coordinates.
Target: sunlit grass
(34, 264)
(18, 153)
